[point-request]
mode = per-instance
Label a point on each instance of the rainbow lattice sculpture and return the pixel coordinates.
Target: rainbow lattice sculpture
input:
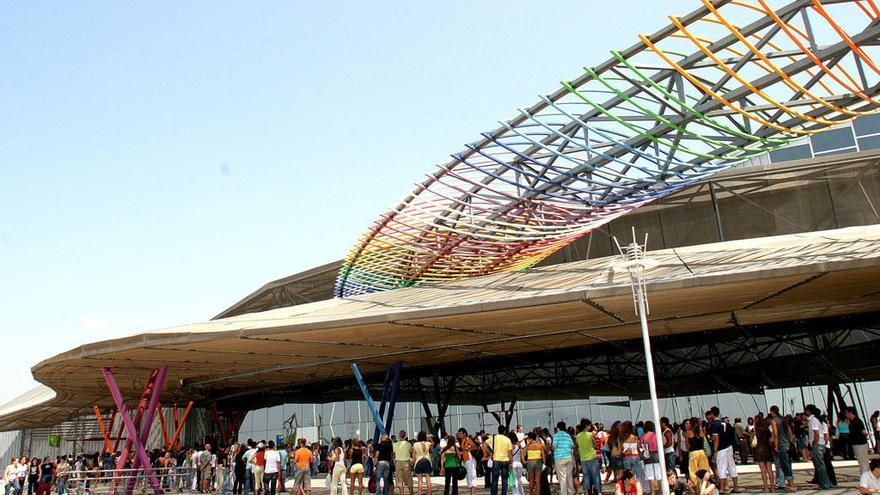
(720, 85)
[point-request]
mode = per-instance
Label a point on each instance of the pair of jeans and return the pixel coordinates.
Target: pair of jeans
(13, 487)
(829, 468)
(383, 475)
(270, 481)
(223, 479)
(783, 468)
(821, 474)
(248, 481)
(501, 470)
(61, 485)
(592, 480)
(634, 464)
(563, 470)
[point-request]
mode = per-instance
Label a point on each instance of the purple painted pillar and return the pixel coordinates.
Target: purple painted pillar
(131, 430)
(147, 424)
(138, 419)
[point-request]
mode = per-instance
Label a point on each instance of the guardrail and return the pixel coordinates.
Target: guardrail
(115, 481)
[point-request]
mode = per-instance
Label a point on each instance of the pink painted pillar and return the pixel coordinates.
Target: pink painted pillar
(131, 430)
(147, 424)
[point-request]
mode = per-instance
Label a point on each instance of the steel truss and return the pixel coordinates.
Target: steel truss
(742, 359)
(727, 82)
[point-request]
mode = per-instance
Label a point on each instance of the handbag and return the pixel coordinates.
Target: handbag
(371, 485)
(754, 442)
(460, 473)
(646, 454)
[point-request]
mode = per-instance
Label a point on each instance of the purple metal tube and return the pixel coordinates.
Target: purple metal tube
(147, 423)
(130, 428)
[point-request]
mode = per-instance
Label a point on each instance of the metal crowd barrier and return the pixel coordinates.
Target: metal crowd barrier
(115, 481)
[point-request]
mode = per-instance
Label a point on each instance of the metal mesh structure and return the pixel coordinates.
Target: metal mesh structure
(725, 83)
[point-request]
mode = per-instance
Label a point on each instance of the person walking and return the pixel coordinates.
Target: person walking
(403, 473)
(273, 468)
(302, 477)
(780, 447)
(632, 452)
(10, 476)
(723, 437)
(499, 449)
(336, 460)
(62, 470)
(858, 438)
(421, 455)
(468, 448)
(668, 444)
(450, 461)
(238, 463)
(588, 447)
(383, 455)
(652, 460)
(534, 454)
(763, 451)
(357, 454)
(816, 444)
(563, 459)
(697, 459)
(33, 475)
(259, 461)
(516, 467)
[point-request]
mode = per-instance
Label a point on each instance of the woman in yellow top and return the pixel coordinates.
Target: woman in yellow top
(534, 455)
(421, 456)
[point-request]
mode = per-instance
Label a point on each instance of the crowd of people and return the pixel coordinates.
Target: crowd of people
(700, 455)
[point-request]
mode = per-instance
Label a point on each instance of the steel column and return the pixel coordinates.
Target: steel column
(147, 423)
(370, 404)
(103, 429)
(131, 430)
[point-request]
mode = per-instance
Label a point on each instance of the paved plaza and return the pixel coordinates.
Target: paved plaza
(750, 481)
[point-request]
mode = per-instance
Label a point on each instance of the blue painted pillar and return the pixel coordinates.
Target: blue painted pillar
(370, 404)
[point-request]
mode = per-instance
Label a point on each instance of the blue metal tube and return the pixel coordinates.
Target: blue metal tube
(370, 404)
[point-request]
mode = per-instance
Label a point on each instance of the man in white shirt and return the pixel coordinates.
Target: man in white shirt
(273, 466)
(816, 443)
(870, 480)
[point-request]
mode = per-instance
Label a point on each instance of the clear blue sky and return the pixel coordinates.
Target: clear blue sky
(160, 160)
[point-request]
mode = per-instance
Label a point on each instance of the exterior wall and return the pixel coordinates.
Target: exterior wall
(759, 204)
(345, 419)
(77, 436)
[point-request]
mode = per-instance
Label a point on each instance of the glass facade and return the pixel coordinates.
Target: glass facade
(861, 135)
(349, 418)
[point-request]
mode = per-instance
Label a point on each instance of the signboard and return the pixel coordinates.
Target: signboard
(54, 441)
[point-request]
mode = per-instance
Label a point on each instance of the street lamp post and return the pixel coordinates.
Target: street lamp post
(635, 262)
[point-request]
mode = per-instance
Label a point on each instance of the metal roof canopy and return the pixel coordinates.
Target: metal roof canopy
(840, 173)
(692, 289)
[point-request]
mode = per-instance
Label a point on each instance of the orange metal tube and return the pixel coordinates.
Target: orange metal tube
(103, 428)
(180, 425)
